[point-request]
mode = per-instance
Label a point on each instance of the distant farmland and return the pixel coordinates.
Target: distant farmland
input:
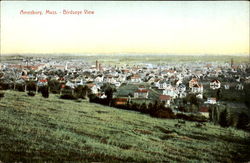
(134, 59)
(39, 129)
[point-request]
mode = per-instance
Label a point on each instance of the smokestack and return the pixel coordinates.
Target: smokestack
(100, 67)
(232, 62)
(97, 65)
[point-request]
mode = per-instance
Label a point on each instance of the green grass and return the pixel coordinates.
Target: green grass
(39, 129)
(127, 89)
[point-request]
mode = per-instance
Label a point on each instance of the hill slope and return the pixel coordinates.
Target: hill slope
(35, 128)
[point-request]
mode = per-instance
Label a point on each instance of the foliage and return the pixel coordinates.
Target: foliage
(244, 122)
(20, 87)
(54, 86)
(247, 94)
(4, 86)
(1, 95)
(82, 91)
(223, 121)
(30, 93)
(45, 91)
(31, 86)
(191, 117)
(109, 91)
(68, 96)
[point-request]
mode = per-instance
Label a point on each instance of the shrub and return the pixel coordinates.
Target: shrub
(82, 91)
(20, 87)
(55, 86)
(45, 91)
(4, 86)
(243, 121)
(68, 96)
(31, 93)
(1, 95)
(31, 86)
(163, 113)
(192, 117)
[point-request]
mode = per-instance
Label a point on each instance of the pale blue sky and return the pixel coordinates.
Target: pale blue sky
(176, 27)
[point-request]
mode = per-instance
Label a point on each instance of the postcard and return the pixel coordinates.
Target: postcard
(124, 81)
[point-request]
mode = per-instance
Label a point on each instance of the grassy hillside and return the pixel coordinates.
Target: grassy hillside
(35, 128)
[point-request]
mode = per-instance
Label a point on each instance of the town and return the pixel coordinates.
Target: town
(183, 87)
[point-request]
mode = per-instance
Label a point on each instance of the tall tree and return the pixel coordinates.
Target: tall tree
(109, 91)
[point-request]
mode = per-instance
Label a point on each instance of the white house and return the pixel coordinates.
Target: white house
(181, 88)
(161, 84)
(121, 78)
(99, 79)
(227, 86)
(197, 88)
(135, 79)
(141, 93)
(94, 88)
(70, 84)
(42, 82)
(170, 91)
(166, 99)
(215, 84)
(117, 84)
(192, 82)
(239, 86)
(109, 79)
(210, 100)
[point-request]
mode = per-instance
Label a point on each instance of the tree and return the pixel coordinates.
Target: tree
(150, 106)
(31, 86)
(135, 106)
(54, 86)
(215, 114)
(31, 93)
(1, 93)
(82, 92)
(223, 121)
(143, 107)
(193, 99)
(45, 91)
(218, 94)
(109, 91)
(243, 121)
(79, 92)
(247, 94)
(13, 76)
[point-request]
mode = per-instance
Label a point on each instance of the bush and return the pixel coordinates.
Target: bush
(243, 121)
(1, 95)
(223, 121)
(68, 96)
(194, 118)
(31, 86)
(31, 93)
(20, 87)
(55, 86)
(4, 86)
(45, 91)
(163, 113)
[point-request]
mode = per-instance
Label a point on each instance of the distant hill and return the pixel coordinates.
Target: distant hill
(40, 129)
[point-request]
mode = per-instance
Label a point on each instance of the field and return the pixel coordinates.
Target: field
(135, 59)
(129, 89)
(39, 129)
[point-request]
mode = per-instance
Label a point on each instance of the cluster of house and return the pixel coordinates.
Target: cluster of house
(169, 82)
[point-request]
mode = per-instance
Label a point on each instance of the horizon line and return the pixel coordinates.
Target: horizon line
(119, 54)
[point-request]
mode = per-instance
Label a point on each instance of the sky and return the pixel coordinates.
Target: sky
(126, 27)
